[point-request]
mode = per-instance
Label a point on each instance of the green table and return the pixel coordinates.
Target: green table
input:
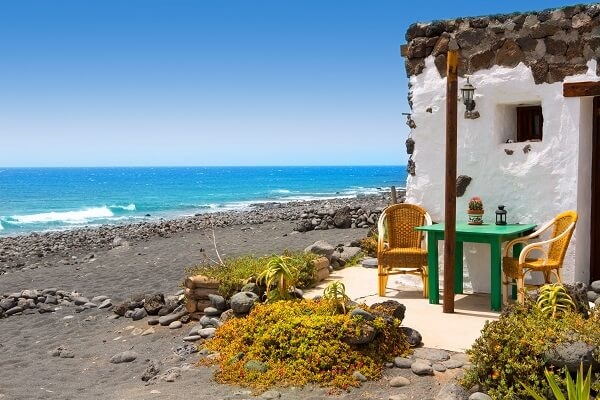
(492, 234)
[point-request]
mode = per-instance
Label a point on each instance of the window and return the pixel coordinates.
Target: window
(530, 122)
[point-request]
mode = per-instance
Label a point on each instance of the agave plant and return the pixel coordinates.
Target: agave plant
(554, 300)
(279, 274)
(336, 293)
(578, 390)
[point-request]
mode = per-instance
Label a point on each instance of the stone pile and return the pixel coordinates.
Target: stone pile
(25, 251)
(593, 294)
(47, 300)
(342, 218)
(554, 43)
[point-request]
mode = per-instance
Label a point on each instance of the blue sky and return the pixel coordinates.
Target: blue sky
(285, 82)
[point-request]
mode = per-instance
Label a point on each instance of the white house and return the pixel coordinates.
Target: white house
(535, 147)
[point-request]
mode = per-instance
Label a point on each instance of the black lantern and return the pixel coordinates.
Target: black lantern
(500, 216)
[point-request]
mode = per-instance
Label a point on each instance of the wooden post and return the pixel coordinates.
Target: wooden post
(450, 207)
(394, 195)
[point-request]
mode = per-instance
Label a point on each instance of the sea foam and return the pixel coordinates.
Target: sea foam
(71, 217)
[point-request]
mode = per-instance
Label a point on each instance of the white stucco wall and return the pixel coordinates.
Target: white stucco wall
(534, 186)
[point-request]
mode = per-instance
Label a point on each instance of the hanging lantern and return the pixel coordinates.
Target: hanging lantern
(500, 215)
(410, 145)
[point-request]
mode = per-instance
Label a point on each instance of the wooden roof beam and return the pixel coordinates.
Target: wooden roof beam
(580, 89)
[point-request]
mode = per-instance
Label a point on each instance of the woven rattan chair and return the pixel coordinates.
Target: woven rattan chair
(400, 248)
(551, 254)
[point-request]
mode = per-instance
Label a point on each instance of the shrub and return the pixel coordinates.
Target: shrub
(553, 300)
(510, 350)
(236, 272)
(301, 342)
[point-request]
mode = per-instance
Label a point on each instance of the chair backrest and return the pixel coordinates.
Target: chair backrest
(562, 222)
(401, 220)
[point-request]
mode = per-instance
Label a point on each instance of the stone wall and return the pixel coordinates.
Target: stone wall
(553, 43)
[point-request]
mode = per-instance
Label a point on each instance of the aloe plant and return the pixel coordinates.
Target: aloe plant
(553, 300)
(336, 293)
(279, 274)
(578, 390)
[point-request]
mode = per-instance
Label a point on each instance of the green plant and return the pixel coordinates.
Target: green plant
(279, 274)
(300, 342)
(554, 300)
(511, 349)
(578, 390)
(335, 292)
(475, 203)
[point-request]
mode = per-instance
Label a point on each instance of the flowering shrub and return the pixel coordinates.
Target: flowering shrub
(302, 342)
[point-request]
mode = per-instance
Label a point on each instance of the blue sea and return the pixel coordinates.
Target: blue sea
(43, 199)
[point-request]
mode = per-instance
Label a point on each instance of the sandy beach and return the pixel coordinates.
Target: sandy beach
(89, 338)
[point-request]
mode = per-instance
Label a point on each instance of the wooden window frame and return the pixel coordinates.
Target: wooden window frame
(530, 123)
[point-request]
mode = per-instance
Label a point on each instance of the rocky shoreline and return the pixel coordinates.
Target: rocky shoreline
(35, 249)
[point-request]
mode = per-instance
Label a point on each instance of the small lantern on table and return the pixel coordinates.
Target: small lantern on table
(500, 215)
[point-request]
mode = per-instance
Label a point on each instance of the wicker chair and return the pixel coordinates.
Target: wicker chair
(550, 261)
(400, 248)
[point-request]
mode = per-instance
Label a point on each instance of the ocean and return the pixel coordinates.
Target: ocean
(43, 199)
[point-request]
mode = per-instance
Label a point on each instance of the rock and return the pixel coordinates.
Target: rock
(66, 354)
(343, 218)
(270, 395)
(592, 296)
(398, 397)
(595, 286)
(80, 300)
(99, 299)
(242, 303)
(8, 303)
(432, 354)
(139, 313)
(121, 309)
(452, 391)
(479, 396)
(30, 294)
(128, 313)
(390, 308)
(175, 325)
(249, 287)
(421, 368)
(186, 350)
(413, 337)
(124, 357)
(402, 362)
(153, 303)
(226, 315)
(439, 367)
(571, 355)
(462, 182)
(50, 299)
(171, 375)
(211, 312)
(452, 363)
(254, 365)
(359, 377)
(192, 338)
(44, 308)
(206, 332)
(153, 321)
(321, 248)
(359, 312)
(219, 302)
(347, 253)
(510, 54)
(105, 304)
(399, 381)
(152, 370)
(14, 310)
(365, 334)
(167, 319)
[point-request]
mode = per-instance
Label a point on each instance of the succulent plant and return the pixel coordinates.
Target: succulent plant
(475, 203)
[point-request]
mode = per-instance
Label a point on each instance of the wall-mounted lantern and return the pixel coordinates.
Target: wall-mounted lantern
(467, 92)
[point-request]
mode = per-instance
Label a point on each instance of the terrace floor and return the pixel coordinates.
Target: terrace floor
(455, 332)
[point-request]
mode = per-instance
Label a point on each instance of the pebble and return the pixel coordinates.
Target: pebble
(359, 377)
(453, 363)
(399, 381)
(80, 300)
(99, 299)
(432, 354)
(192, 338)
(270, 395)
(139, 313)
(152, 321)
(439, 367)
(105, 304)
(124, 357)
(207, 332)
(479, 396)
(421, 368)
(403, 362)
(175, 325)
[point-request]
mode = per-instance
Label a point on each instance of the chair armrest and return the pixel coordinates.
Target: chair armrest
(531, 247)
(428, 221)
(381, 232)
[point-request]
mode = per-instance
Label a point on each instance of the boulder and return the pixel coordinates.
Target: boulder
(390, 308)
(153, 303)
(571, 354)
(343, 218)
(242, 303)
(219, 302)
(413, 337)
(321, 248)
